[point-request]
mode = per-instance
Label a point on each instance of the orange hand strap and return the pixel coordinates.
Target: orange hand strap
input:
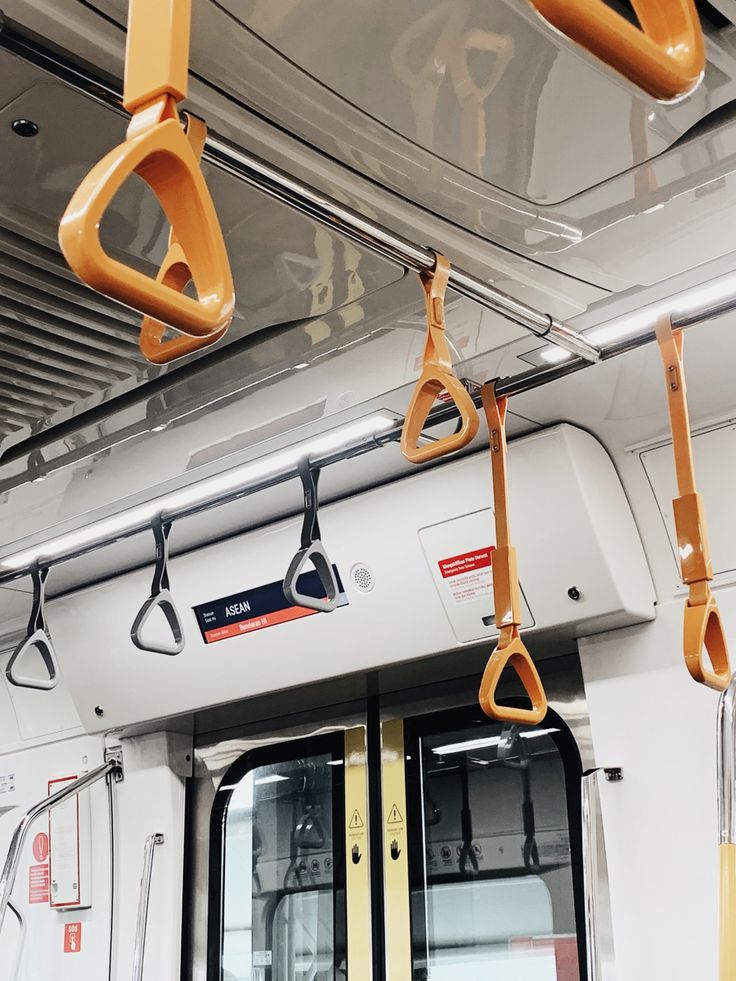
(157, 150)
(666, 57)
(437, 376)
(175, 273)
(506, 590)
(703, 626)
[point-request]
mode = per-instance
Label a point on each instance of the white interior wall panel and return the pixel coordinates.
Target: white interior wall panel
(571, 524)
(44, 954)
(648, 716)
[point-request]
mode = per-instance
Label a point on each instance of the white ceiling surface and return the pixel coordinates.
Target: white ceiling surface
(579, 181)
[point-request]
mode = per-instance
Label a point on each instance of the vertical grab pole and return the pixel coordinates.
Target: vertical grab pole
(588, 793)
(727, 828)
(21, 941)
(139, 950)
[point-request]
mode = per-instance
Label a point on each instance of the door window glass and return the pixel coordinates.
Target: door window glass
(493, 869)
(282, 871)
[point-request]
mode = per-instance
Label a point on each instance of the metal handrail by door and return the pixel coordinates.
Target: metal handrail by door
(589, 795)
(139, 950)
(727, 827)
(22, 940)
(112, 767)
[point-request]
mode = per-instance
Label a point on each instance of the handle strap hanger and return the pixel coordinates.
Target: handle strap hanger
(510, 650)
(37, 638)
(666, 57)
(160, 598)
(176, 274)
(312, 550)
(157, 150)
(437, 376)
(703, 631)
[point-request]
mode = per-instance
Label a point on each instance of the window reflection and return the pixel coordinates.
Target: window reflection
(497, 898)
(278, 906)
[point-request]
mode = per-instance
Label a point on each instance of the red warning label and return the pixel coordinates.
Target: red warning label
(72, 938)
(458, 565)
(38, 884)
(41, 846)
(469, 576)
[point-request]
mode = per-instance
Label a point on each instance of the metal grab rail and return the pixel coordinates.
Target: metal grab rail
(727, 827)
(588, 792)
(309, 201)
(139, 950)
(591, 871)
(113, 767)
(22, 942)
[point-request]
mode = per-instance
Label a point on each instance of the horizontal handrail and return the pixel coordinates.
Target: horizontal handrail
(112, 767)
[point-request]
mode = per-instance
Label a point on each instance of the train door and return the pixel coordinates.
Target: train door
(413, 839)
(494, 856)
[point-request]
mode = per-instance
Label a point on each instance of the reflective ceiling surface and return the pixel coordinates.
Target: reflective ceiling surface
(326, 333)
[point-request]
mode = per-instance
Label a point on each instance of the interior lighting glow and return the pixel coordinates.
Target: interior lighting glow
(271, 778)
(640, 321)
(204, 491)
(486, 742)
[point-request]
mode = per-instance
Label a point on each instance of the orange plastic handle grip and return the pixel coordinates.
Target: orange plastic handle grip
(666, 57)
(176, 274)
(703, 628)
(510, 651)
(437, 376)
(161, 154)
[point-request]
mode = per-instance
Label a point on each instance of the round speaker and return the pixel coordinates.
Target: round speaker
(363, 578)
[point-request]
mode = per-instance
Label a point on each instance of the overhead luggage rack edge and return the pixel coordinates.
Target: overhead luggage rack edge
(309, 201)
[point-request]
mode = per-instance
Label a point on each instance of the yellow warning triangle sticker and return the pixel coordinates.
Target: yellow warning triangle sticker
(356, 821)
(395, 816)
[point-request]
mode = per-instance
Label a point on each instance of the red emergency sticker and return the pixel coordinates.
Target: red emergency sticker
(38, 884)
(41, 846)
(458, 565)
(72, 938)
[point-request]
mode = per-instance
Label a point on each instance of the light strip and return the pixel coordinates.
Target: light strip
(210, 489)
(630, 324)
(486, 743)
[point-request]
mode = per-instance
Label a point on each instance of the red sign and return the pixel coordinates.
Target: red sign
(257, 623)
(41, 847)
(458, 565)
(38, 884)
(72, 938)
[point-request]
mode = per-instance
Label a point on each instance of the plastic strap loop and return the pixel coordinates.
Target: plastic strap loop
(510, 650)
(157, 150)
(703, 628)
(176, 274)
(36, 638)
(666, 57)
(437, 376)
(312, 550)
(160, 598)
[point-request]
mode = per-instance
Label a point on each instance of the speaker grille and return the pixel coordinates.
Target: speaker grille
(363, 578)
